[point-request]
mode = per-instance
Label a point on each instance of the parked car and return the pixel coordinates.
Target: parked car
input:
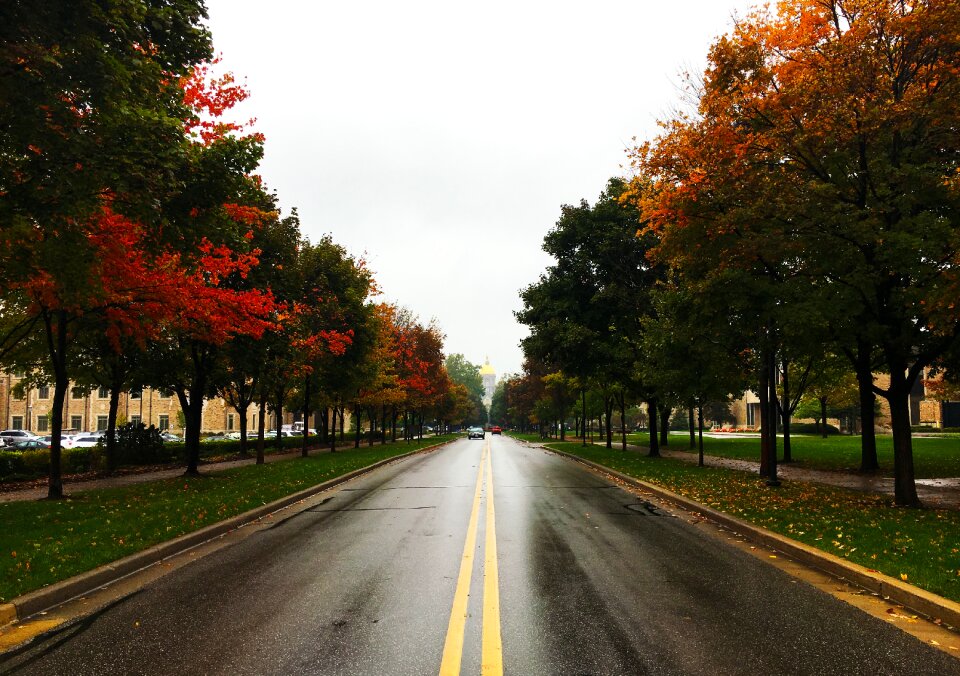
(66, 440)
(496, 429)
(172, 438)
(476, 433)
(12, 436)
(86, 440)
(29, 445)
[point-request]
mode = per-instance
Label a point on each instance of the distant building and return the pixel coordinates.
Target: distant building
(489, 378)
(29, 409)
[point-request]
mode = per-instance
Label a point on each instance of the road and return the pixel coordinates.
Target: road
(428, 567)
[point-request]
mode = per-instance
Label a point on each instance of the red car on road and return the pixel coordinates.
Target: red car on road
(495, 429)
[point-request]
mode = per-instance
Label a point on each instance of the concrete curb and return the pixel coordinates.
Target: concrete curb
(61, 592)
(920, 601)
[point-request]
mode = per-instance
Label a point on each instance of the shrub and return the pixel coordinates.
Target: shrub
(76, 460)
(11, 465)
(36, 462)
(141, 445)
(811, 428)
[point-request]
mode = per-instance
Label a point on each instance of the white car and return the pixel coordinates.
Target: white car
(86, 440)
(66, 441)
(13, 436)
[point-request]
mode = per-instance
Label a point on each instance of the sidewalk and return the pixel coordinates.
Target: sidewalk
(37, 490)
(935, 493)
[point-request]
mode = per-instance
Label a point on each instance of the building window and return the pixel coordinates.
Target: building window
(230, 422)
(164, 423)
(136, 393)
(18, 422)
(103, 393)
(43, 392)
(43, 423)
(102, 423)
(76, 422)
(76, 393)
(134, 420)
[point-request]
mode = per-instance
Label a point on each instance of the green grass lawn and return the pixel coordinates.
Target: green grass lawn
(919, 546)
(47, 541)
(933, 457)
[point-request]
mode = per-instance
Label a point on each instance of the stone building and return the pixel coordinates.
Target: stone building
(489, 378)
(30, 408)
(925, 408)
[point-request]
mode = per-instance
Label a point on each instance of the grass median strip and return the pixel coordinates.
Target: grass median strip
(44, 542)
(919, 546)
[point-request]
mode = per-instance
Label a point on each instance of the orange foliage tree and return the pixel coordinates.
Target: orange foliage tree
(823, 157)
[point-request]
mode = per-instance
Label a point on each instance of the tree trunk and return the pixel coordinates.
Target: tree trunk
(192, 406)
(823, 417)
(332, 440)
(111, 445)
(869, 462)
(700, 435)
(665, 414)
(324, 428)
(785, 412)
(306, 417)
(278, 411)
(343, 415)
(261, 427)
(243, 405)
(608, 406)
(764, 396)
(623, 422)
(393, 424)
(692, 427)
(898, 396)
(773, 414)
(373, 424)
(57, 348)
(357, 414)
(652, 417)
(583, 402)
(383, 424)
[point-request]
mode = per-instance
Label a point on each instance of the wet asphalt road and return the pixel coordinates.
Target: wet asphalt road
(592, 580)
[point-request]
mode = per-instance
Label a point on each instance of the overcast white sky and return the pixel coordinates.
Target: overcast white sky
(439, 139)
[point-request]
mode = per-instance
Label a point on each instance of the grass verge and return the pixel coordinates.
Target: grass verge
(934, 457)
(47, 541)
(919, 546)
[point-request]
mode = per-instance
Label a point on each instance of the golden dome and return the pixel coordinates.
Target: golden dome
(487, 370)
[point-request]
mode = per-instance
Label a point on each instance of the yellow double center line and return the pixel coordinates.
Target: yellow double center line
(491, 659)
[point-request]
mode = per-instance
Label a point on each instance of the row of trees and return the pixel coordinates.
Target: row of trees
(138, 246)
(798, 224)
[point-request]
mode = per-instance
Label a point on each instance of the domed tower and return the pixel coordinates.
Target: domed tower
(489, 378)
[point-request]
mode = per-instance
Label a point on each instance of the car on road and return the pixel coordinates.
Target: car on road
(496, 430)
(475, 433)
